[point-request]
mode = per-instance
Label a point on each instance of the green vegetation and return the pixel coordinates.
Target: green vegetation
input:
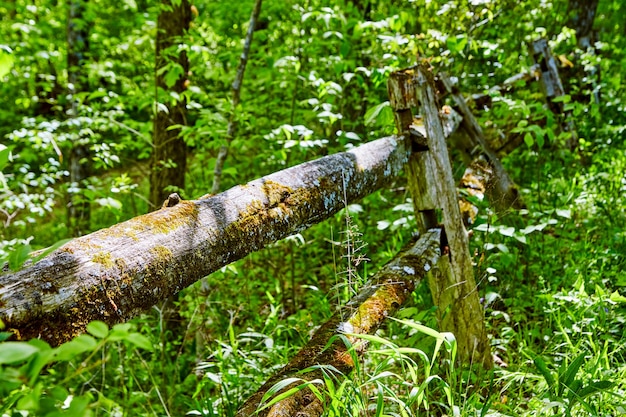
(551, 276)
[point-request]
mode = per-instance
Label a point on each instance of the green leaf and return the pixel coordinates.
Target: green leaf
(6, 60)
(539, 134)
(507, 231)
(566, 378)
(122, 327)
(528, 140)
(372, 115)
(18, 256)
(345, 49)
(380, 403)
(130, 4)
(5, 153)
(59, 393)
(564, 213)
(594, 387)
(566, 98)
(110, 202)
(616, 297)
(78, 406)
(520, 238)
(279, 386)
(173, 75)
(12, 352)
(76, 346)
(456, 44)
(44, 357)
(98, 329)
(286, 394)
(140, 341)
(573, 389)
(543, 368)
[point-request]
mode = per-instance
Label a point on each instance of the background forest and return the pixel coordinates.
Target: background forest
(103, 116)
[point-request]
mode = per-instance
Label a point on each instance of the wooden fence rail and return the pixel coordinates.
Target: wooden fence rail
(114, 274)
(380, 298)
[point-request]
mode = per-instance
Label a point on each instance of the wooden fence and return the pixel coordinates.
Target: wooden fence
(116, 273)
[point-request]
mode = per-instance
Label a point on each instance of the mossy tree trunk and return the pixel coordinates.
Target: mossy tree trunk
(169, 158)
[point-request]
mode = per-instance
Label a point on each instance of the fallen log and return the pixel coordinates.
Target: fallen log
(116, 273)
(382, 296)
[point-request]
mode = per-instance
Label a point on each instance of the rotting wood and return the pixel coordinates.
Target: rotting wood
(501, 190)
(458, 298)
(382, 296)
(473, 183)
(114, 274)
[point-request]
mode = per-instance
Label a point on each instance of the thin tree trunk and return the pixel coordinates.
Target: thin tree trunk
(232, 122)
(169, 158)
(79, 210)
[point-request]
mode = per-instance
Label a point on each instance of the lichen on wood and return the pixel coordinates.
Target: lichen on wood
(387, 290)
(114, 274)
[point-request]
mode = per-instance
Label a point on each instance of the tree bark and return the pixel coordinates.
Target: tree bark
(381, 297)
(79, 210)
(232, 122)
(114, 274)
(169, 158)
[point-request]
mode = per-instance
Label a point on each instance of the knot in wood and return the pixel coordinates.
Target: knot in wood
(172, 200)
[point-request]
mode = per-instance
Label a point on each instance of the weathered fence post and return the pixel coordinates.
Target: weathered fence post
(420, 169)
(551, 85)
(453, 287)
